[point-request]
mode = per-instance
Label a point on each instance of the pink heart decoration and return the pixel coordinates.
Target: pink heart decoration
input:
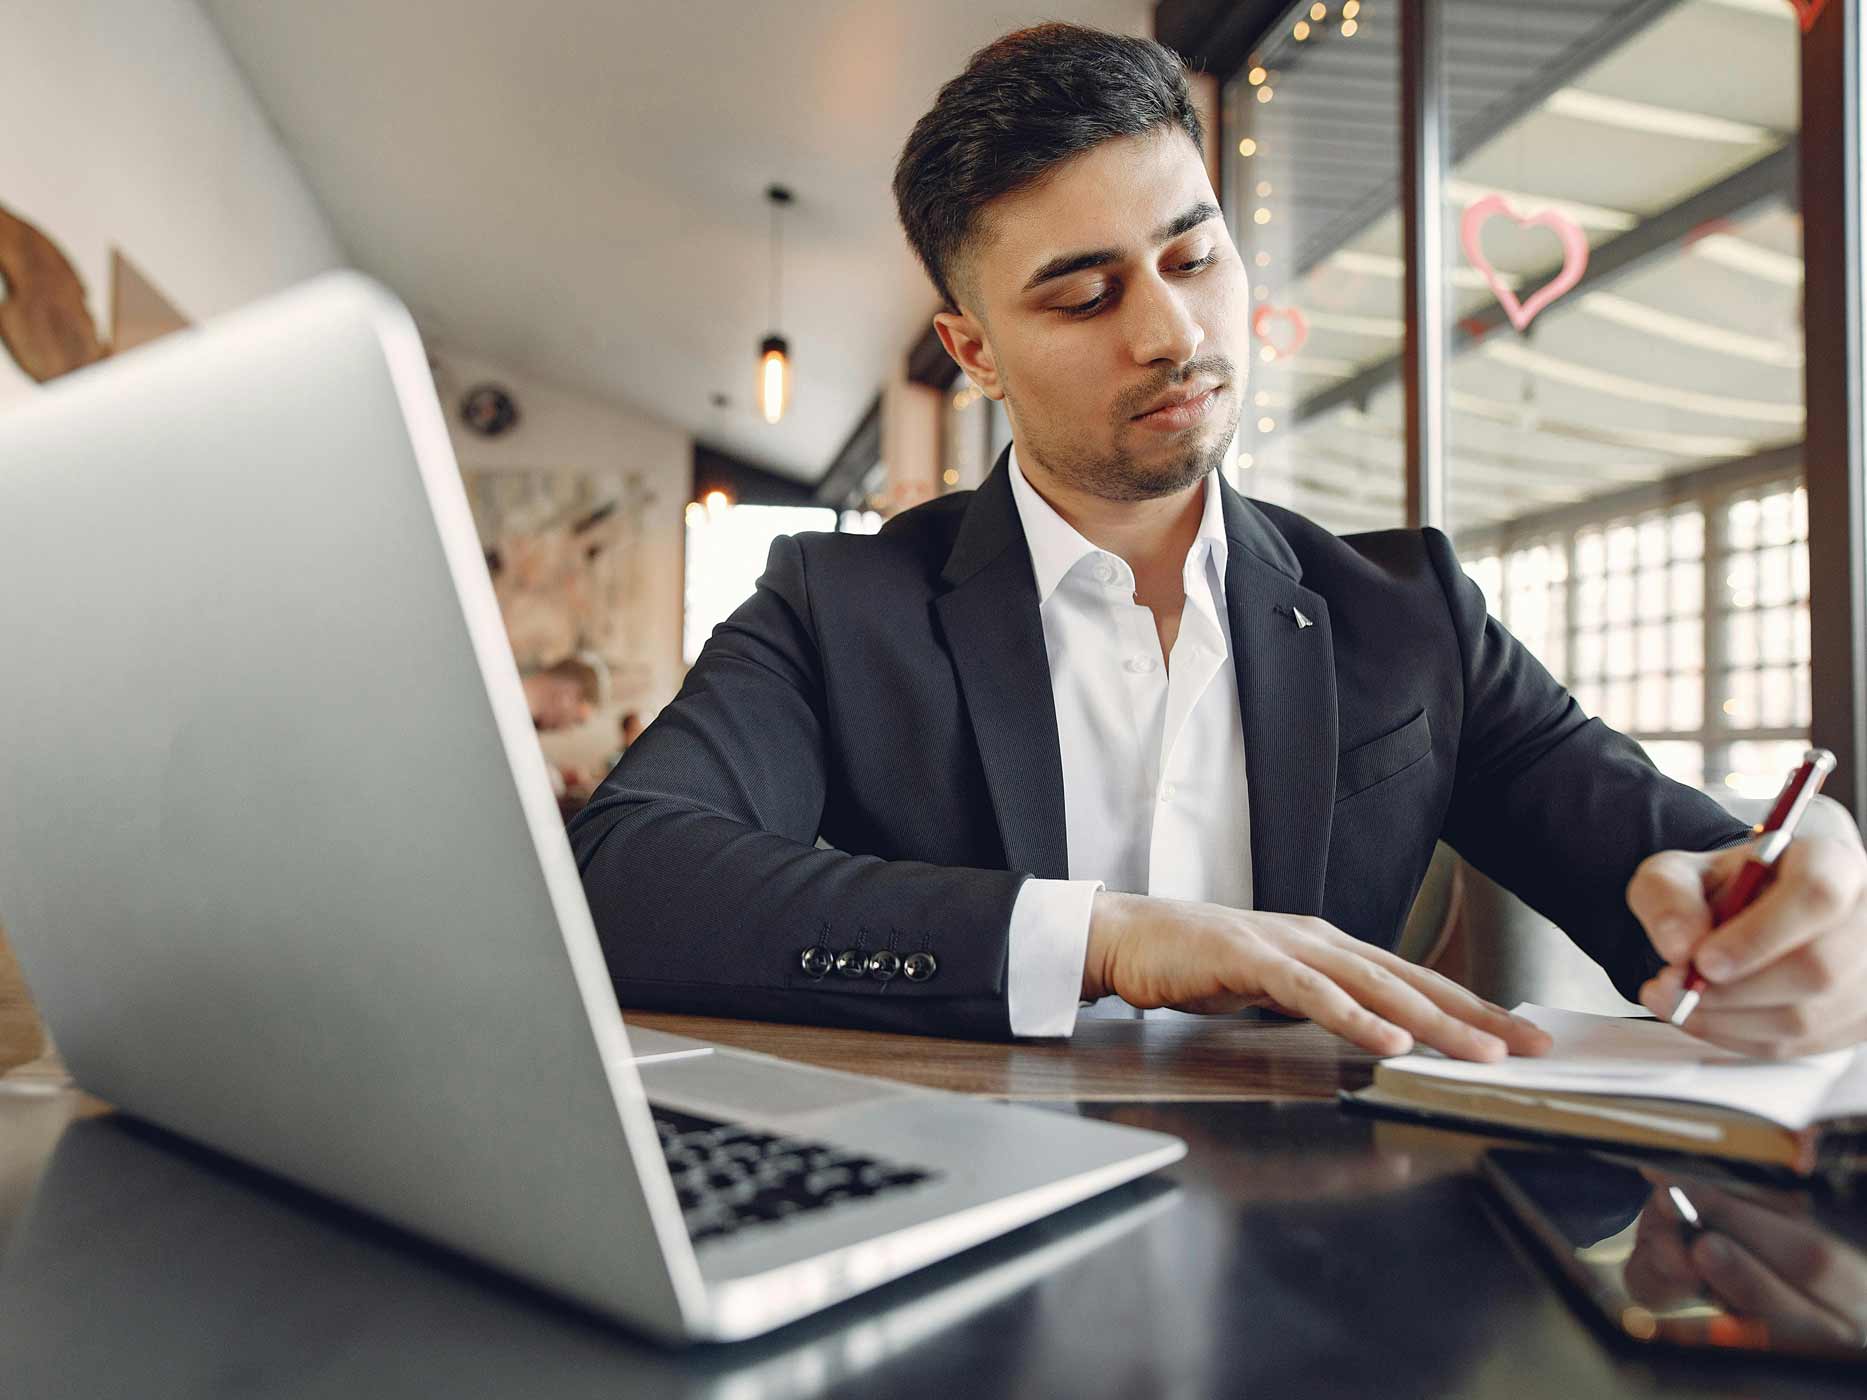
(1574, 255)
(1808, 11)
(1291, 317)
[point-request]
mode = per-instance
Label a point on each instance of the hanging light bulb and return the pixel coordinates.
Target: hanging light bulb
(774, 378)
(774, 363)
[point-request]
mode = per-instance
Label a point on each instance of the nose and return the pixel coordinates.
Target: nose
(1162, 326)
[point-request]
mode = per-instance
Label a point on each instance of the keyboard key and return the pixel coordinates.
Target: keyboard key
(728, 1175)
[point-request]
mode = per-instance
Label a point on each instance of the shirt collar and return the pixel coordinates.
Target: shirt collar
(1058, 546)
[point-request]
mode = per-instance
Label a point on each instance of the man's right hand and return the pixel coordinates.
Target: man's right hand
(1212, 959)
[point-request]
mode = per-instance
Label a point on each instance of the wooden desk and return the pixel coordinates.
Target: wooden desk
(1105, 1061)
(1296, 1250)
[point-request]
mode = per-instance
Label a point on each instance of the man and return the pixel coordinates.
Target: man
(1105, 727)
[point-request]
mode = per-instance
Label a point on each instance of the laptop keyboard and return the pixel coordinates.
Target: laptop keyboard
(729, 1177)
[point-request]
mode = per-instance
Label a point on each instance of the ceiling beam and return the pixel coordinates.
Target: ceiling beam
(746, 483)
(1470, 130)
(861, 450)
(1771, 177)
(1216, 36)
(1668, 491)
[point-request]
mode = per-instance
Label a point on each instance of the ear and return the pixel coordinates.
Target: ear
(964, 338)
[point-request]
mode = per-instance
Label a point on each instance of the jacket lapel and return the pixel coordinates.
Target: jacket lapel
(1286, 693)
(996, 638)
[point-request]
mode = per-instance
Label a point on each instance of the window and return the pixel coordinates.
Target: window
(1313, 201)
(1629, 459)
(727, 546)
(1617, 607)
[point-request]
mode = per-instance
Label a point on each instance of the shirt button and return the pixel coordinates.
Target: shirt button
(1139, 665)
(1105, 573)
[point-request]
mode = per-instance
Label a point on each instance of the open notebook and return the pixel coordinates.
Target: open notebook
(1645, 1083)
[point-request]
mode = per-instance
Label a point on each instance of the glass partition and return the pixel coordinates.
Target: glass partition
(1624, 373)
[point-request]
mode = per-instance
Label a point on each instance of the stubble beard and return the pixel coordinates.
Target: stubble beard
(1125, 477)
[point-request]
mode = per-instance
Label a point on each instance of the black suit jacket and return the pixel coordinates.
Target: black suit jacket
(891, 694)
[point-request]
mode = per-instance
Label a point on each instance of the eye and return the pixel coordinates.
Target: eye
(1089, 308)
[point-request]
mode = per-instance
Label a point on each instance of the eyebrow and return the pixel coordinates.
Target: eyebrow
(1066, 263)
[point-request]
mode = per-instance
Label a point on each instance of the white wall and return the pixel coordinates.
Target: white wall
(126, 124)
(558, 430)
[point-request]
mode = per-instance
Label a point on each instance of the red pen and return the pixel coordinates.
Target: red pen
(1777, 831)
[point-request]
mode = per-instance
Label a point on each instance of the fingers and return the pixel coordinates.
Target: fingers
(1303, 988)
(1521, 1037)
(1818, 881)
(1804, 1003)
(1658, 1272)
(1668, 894)
(1796, 1250)
(1744, 1284)
(1403, 1004)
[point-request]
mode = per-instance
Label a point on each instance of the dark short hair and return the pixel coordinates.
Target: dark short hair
(1025, 103)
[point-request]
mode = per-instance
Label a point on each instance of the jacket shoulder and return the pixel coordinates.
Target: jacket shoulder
(1402, 555)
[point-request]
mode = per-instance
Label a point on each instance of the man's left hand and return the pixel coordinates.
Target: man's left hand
(1785, 976)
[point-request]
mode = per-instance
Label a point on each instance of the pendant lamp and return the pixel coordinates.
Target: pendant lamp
(774, 355)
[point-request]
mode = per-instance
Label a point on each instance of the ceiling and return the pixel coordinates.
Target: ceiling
(577, 189)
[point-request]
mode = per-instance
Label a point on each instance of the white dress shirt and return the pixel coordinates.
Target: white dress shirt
(1153, 753)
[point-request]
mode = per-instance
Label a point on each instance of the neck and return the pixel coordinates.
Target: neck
(1152, 536)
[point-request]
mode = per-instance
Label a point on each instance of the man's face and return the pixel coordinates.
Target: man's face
(1086, 300)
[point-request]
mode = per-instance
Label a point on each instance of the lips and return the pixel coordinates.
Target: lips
(1180, 396)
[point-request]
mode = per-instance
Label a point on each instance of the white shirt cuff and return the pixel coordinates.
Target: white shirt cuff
(1049, 940)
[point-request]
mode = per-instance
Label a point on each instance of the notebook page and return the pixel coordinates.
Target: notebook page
(1641, 1058)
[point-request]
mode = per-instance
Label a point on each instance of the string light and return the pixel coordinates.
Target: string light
(1349, 28)
(1264, 188)
(1264, 94)
(717, 501)
(1319, 11)
(1351, 9)
(1256, 77)
(1262, 259)
(1267, 425)
(696, 513)
(1246, 461)
(1301, 32)
(950, 477)
(1247, 148)
(1263, 216)
(1266, 354)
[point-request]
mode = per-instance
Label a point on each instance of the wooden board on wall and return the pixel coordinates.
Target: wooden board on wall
(138, 312)
(44, 321)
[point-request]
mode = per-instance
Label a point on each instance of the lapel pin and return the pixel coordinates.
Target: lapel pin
(1302, 621)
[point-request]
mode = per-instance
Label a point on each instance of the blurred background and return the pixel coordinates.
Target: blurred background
(1543, 273)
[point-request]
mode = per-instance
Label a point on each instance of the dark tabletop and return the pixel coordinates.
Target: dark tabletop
(1297, 1251)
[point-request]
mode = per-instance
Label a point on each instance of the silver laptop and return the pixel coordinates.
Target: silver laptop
(281, 861)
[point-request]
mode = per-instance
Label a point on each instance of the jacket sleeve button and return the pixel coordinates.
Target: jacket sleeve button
(883, 965)
(918, 967)
(815, 961)
(852, 962)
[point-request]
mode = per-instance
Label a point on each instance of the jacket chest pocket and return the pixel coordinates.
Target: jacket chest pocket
(1381, 758)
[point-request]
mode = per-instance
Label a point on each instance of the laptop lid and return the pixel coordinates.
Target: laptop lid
(278, 851)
